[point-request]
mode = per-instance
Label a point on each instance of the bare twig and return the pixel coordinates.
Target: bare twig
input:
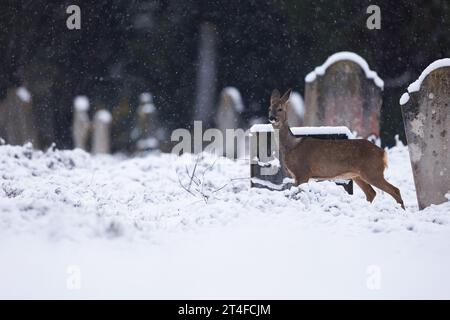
(193, 173)
(186, 189)
(217, 190)
(245, 178)
(196, 185)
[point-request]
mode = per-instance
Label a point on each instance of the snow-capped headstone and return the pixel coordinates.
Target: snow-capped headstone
(228, 116)
(101, 133)
(426, 115)
(147, 123)
(16, 117)
(344, 91)
(81, 124)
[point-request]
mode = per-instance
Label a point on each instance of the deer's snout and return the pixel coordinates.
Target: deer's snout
(272, 115)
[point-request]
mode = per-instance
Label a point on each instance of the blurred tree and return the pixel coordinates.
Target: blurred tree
(126, 47)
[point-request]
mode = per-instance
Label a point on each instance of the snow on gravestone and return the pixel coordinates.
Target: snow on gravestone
(147, 123)
(228, 116)
(344, 92)
(101, 134)
(426, 115)
(81, 123)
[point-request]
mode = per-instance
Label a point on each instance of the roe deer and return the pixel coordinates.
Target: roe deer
(305, 158)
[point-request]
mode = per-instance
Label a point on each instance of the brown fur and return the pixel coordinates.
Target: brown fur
(305, 158)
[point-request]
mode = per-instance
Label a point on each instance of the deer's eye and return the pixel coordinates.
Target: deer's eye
(279, 109)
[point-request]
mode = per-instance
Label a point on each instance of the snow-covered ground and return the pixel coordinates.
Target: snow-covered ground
(77, 226)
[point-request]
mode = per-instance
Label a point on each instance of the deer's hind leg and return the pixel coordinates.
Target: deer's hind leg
(366, 188)
(382, 184)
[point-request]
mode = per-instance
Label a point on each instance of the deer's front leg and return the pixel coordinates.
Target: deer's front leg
(299, 180)
(299, 174)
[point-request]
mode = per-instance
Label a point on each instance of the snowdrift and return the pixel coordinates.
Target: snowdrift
(73, 195)
(142, 228)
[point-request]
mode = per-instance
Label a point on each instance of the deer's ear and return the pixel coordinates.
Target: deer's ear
(285, 97)
(275, 96)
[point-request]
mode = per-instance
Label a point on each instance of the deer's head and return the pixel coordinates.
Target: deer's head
(278, 108)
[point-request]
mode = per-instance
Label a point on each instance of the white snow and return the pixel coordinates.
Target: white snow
(345, 55)
(149, 143)
(305, 130)
(441, 63)
(297, 103)
(322, 130)
(236, 97)
(148, 108)
(260, 127)
(103, 116)
(272, 163)
(132, 231)
(146, 97)
(310, 77)
(81, 103)
(23, 94)
(267, 183)
(404, 99)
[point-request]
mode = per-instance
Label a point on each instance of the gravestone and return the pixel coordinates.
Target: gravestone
(426, 115)
(206, 74)
(16, 117)
(266, 169)
(81, 123)
(101, 132)
(228, 116)
(122, 123)
(344, 92)
(147, 123)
